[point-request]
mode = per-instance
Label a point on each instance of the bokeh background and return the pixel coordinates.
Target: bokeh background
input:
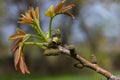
(96, 30)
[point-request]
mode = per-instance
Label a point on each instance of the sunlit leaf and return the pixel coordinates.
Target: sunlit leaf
(58, 9)
(30, 16)
(37, 12)
(50, 12)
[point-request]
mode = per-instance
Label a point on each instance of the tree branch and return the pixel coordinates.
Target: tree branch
(88, 64)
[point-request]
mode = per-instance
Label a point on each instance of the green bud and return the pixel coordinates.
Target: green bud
(55, 39)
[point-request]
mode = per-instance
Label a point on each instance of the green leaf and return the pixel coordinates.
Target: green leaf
(50, 11)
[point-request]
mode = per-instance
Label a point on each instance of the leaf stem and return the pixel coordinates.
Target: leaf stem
(50, 27)
(35, 43)
(35, 36)
(39, 31)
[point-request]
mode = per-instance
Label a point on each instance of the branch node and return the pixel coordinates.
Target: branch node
(51, 52)
(72, 50)
(114, 77)
(79, 65)
(93, 59)
(83, 62)
(97, 70)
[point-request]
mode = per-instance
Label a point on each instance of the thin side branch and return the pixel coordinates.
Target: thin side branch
(88, 64)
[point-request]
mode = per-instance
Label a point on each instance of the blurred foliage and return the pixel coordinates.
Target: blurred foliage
(54, 77)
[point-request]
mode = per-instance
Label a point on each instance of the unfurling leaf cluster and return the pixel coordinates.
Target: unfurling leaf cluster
(45, 41)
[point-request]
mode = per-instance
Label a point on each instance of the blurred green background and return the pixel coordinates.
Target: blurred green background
(95, 30)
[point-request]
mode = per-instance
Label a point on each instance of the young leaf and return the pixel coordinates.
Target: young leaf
(26, 69)
(64, 9)
(20, 31)
(16, 58)
(30, 17)
(16, 36)
(69, 14)
(59, 6)
(23, 66)
(15, 45)
(50, 12)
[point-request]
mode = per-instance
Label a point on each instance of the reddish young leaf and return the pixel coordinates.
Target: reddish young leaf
(30, 16)
(59, 6)
(16, 58)
(21, 65)
(58, 9)
(69, 14)
(15, 45)
(26, 69)
(15, 36)
(20, 31)
(64, 9)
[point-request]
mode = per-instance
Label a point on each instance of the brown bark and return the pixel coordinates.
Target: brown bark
(88, 64)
